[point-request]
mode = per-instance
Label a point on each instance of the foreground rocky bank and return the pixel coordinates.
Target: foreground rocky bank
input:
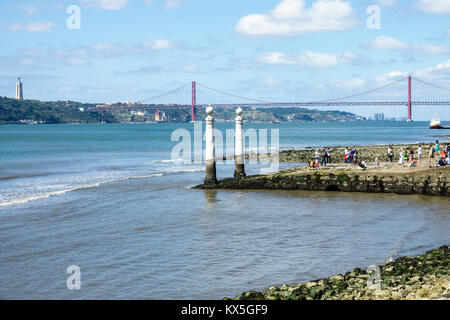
(407, 278)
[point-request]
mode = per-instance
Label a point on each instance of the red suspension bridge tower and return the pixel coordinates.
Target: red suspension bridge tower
(194, 102)
(409, 100)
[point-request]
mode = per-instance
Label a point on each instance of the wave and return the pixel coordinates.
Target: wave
(21, 176)
(186, 170)
(72, 189)
(167, 161)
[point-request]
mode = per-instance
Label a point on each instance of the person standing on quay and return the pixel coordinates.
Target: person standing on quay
(316, 155)
(355, 157)
(390, 154)
(431, 154)
(419, 153)
(328, 155)
(400, 160)
(346, 155)
(323, 158)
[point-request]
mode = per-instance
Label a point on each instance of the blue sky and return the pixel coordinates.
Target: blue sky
(275, 50)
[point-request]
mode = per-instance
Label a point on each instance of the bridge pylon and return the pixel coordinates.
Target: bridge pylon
(409, 100)
(194, 102)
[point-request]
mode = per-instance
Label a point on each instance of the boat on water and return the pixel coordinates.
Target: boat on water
(436, 123)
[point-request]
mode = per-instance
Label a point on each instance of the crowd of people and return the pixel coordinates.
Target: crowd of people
(322, 157)
(407, 157)
(351, 155)
(443, 154)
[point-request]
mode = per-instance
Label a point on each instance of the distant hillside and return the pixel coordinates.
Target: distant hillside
(183, 114)
(15, 111)
(29, 111)
(286, 115)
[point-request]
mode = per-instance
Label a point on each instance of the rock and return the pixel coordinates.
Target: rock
(423, 293)
(402, 279)
(251, 295)
(395, 295)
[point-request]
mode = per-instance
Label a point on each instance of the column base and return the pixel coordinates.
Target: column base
(239, 171)
(210, 178)
(210, 182)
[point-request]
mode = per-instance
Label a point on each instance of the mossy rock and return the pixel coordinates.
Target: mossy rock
(250, 295)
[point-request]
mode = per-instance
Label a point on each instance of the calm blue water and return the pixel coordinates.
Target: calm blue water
(109, 199)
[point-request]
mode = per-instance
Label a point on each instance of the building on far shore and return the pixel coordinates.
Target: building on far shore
(378, 116)
(160, 116)
(19, 90)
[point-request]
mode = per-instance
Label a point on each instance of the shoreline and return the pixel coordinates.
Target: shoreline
(425, 276)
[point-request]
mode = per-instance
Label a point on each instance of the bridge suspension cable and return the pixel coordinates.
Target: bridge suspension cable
(365, 92)
(166, 93)
(430, 84)
(233, 95)
(319, 101)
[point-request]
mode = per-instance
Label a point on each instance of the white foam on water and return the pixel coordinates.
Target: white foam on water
(181, 170)
(66, 189)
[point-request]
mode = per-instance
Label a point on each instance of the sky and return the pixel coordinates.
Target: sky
(271, 50)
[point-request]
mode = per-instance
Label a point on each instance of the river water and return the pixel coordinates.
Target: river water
(109, 199)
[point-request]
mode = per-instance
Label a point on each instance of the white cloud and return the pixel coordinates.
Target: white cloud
(447, 32)
(270, 81)
(351, 84)
(158, 44)
(82, 55)
(291, 17)
(390, 77)
(389, 43)
(118, 49)
(105, 4)
(28, 8)
(33, 27)
(77, 62)
(276, 58)
(430, 49)
(163, 68)
(308, 59)
(27, 62)
(386, 3)
(15, 27)
(39, 26)
(442, 69)
(71, 89)
(439, 72)
(172, 4)
(433, 6)
(189, 68)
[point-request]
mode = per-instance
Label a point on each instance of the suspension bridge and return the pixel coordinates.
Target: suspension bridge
(398, 93)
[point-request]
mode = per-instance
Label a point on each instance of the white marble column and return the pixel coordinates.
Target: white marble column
(239, 155)
(210, 156)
